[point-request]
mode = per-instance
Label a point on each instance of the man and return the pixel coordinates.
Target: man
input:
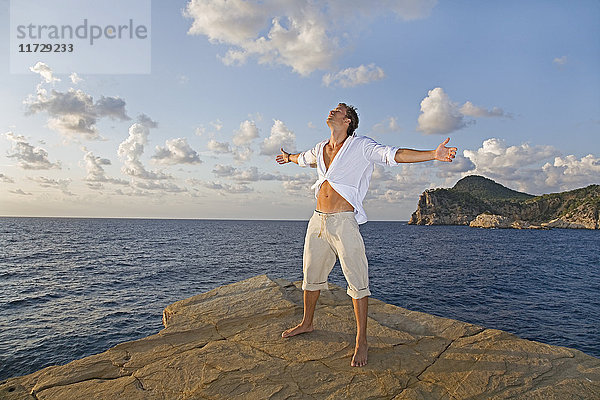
(344, 164)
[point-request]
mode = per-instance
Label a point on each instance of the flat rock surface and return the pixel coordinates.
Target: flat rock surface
(226, 344)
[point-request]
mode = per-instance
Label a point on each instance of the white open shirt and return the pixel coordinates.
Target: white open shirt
(350, 171)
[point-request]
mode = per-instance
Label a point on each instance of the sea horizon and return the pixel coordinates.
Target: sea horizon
(185, 219)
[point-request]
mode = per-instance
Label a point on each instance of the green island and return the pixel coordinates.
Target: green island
(480, 202)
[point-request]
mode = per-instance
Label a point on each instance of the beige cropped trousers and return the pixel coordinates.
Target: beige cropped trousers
(330, 236)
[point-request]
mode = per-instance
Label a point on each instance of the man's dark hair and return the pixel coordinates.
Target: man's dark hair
(353, 116)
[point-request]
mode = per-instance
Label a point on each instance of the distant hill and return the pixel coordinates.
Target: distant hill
(481, 202)
(487, 189)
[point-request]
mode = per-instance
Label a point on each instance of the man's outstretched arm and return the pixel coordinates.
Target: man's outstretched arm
(305, 159)
(442, 153)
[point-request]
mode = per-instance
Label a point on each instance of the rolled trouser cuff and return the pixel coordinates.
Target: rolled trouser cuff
(358, 294)
(314, 286)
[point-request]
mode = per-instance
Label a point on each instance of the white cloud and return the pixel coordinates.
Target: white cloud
(28, 156)
(234, 57)
(235, 21)
(216, 125)
(247, 132)
(381, 174)
(75, 78)
(560, 61)
(218, 147)
(296, 185)
(387, 125)
(225, 188)
(60, 184)
(457, 168)
(496, 157)
(201, 130)
(45, 72)
(299, 42)
(6, 179)
(280, 136)
(441, 115)
(223, 170)
(257, 116)
(21, 192)
(146, 121)
(131, 150)
(472, 110)
(159, 185)
(176, 151)
(251, 174)
(391, 186)
(74, 113)
(350, 77)
(569, 172)
(242, 140)
(517, 167)
(300, 185)
(95, 174)
(113, 107)
(242, 154)
(302, 34)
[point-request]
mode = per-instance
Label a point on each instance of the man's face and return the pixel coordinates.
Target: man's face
(337, 117)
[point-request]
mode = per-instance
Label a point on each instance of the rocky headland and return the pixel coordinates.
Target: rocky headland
(226, 344)
(480, 202)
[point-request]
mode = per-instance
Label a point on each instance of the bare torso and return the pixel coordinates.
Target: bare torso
(328, 199)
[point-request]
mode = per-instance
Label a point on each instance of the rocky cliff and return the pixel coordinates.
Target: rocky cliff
(226, 344)
(481, 202)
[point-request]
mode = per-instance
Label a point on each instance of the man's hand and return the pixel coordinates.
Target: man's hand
(283, 158)
(443, 153)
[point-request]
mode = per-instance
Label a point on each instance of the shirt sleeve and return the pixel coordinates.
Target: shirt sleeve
(308, 158)
(379, 153)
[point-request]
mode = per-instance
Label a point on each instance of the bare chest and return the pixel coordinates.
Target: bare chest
(329, 154)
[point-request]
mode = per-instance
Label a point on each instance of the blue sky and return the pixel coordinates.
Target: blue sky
(515, 85)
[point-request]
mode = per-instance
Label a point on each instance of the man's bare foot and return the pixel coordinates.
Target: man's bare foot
(298, 329)
(360, 354)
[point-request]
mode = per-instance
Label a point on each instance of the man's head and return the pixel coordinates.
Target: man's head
(343, 116)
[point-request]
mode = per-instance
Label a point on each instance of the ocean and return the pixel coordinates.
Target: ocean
(74, 287)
